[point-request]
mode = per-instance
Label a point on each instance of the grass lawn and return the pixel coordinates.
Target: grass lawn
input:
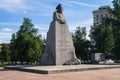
(2, 65)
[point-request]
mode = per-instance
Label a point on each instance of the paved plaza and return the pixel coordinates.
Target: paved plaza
(108, 74)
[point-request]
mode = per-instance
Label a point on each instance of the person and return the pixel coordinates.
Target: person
(58, 16)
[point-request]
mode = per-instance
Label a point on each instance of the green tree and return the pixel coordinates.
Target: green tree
(107, 34)
(5, 53)
(109, 42)
(104, 37)
(80, 43)
(115, 12)
(26, 44)
(115, 20)
(97, 35)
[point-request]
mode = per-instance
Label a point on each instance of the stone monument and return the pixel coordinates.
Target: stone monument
(59, 45)
(97, 57)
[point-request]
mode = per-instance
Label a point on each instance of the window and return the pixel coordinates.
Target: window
(101, 15)
(97, 23)
(97, 19)
(106, 15)
(97, 16)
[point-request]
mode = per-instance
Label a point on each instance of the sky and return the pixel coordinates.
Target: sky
(76, 12)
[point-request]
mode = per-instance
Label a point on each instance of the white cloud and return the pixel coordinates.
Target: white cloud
(63, 2)
(1, 41)
(41, 27)
(10, 24)
(38, 8)
(24, 6)
(12, 5)
(6, 30)
(83, 4)
(86, 23)
(5, 37)
(24, 12)
(44, 35)
(71, 13)
(111, 0)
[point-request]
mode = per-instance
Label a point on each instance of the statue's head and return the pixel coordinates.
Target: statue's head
(59, 8)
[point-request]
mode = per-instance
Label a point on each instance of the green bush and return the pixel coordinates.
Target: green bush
(2, 65)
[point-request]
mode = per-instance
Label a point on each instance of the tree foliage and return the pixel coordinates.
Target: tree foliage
(107, 34)
(80, 43)
(5, 53)
(115, 12)
(116, 27)
(26, 44)
(104, 37)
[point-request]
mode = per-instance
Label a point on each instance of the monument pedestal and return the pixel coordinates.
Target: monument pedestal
(59, 45)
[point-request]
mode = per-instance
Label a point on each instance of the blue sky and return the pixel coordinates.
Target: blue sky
(76, 12)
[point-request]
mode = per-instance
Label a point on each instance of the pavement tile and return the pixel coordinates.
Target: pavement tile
(109, 74)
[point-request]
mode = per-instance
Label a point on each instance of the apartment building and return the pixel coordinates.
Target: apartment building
(102, 12)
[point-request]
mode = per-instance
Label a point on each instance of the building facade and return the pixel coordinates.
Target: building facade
(102, 12)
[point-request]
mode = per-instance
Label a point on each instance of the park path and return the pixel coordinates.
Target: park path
(109, 74)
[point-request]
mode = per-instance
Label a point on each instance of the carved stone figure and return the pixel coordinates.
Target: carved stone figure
(58, 16)
(59, 45)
